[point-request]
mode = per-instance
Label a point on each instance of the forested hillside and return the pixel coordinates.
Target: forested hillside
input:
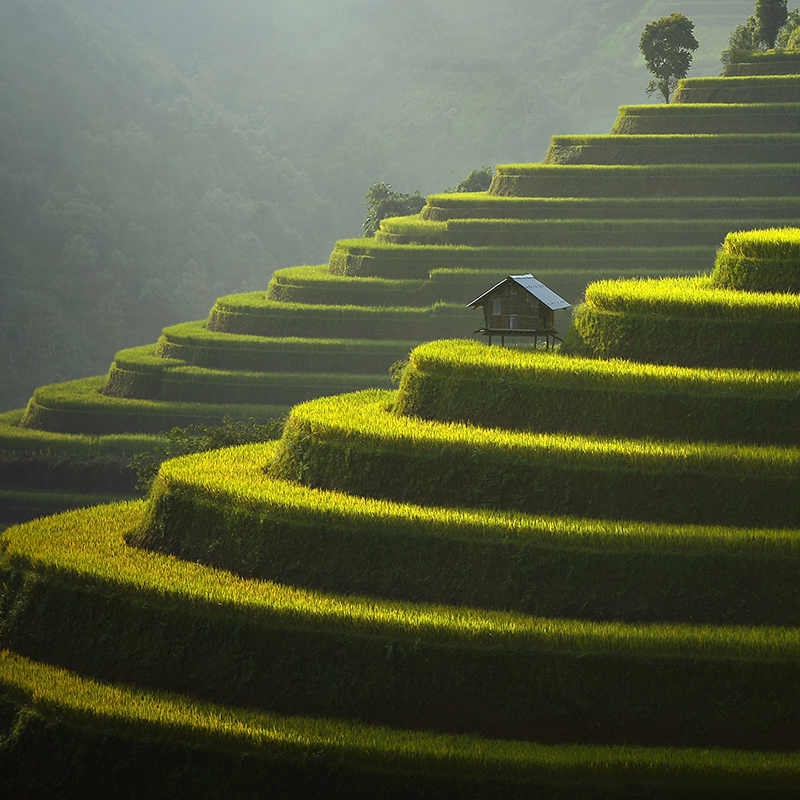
(157, 155)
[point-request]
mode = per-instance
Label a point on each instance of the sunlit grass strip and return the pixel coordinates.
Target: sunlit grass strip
(678, 139)
(760, 261)
(331, 541)
(766, 243)
(79, 407)
(411, 225)
(354, 443)
(89, 547)
(368, 417)
(257, 303)
(212, 377)
(746, 57)
(196, 334)
(465, 252)
(450, 206)
(144, 359)
(325, 288)
(704, 109)
(535, 390)
(605, 204)
(320, 276)
(56, 692)
(633, 227)
(754, 81)
(235, 477)
(695, 297)
(608, 180)
(14, 439)
(669, 170)
(192, 343)
(472, 359)
(83, 395)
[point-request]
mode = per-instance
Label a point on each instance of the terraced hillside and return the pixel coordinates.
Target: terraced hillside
(653, 198)
(523, 573)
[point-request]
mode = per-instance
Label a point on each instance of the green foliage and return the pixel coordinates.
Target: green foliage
(770, 17)
(743, 39)
(199, 439)
(667, 46)
(382, 201)
(771, 26)
(478, 180)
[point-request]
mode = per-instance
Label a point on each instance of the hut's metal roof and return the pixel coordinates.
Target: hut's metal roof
(532, 286)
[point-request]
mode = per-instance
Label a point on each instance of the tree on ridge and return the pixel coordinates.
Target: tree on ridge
(770, 17)
(667, 46)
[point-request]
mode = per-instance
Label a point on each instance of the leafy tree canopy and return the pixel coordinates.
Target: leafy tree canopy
(667, 46)
(382, 201)
(770, 27)
(770, 17)
(478, 180)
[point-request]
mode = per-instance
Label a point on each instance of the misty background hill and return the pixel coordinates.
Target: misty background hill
(155, 154)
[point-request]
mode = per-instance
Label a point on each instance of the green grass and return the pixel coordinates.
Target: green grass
(334, 542)
(79, 407)
(677, 139)
(783, 243)
(26, 440)
(630, 170)
(760, 261)
(671, 180)
(768, 56)
(58, 693)
(764, 82)
(89, 547)
(713, 109)
(694, 297)
(383, 259)
(691, 322)
(195, 334)
(444, 207)
(355, 443)
(524, 389)
(192, 343)
(674, 149)
(253, 314)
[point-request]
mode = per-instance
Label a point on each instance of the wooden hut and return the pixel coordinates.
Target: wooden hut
(519, 306)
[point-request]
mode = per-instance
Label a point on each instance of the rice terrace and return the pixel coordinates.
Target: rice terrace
(434, 567)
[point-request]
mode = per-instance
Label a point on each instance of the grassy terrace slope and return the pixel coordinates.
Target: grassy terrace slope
(654, 198)
(445, 589)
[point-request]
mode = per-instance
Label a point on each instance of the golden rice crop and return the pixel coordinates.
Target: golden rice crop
(235, 476)
(470, 358)
(690, 297)
(773, 243)
(89, 546)
(368, 416)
